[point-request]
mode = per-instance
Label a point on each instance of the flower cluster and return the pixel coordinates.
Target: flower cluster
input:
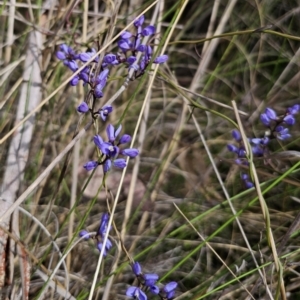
(148, 281)
(259, 146)
(102, 112)
(129, 44)
(111, 149)
(103, 228)
(135, 53)
(277, 124)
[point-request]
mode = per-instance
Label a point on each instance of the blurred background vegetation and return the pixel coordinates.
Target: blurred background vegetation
(254, 61)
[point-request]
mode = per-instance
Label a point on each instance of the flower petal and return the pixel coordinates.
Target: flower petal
(61, 55)
(131, 152)
(120, 163)
(170, 286)
(91, 165)
(271, 113)
(83, 108)
(289, 120)
(161, 59)
(98, 141)
(125, 138)
(85, 234)
(110, 131)
(139, 21)
(148, 30)
(136, 268)
(107, 166)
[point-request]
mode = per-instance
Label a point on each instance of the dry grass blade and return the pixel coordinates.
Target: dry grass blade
(44, 174)
(18, 153)
(213, 250)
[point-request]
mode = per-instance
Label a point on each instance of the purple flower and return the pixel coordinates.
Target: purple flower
(112, 133)
(139, 21)
(242, 152)
(102, 230)
(85, 234)
(271, 114)
(136, 293)
(283, 134)
(68, 55)
(83, 108)
(236, 135)
(102, 77)
(98, 92)
(71, 64)
(84, 75)
(74, 81)
(86, 56)
(138, 41)
(249, 184)
(255, 141)
(108, 245)
(148, 30)
(265, 141)
(100, 246)
(103, 224)
(247, 181)
(120, 163)
(279, 128)
(134, 66)
(238, 161)
(143, 63)
(232, 148)
(136, 268)
(100, 83)
(131, 59)
(160, 59)
(150, 279)
(131, 152)
(107, 166)
(257, 150)
(169, 289)
(98, 141)
(124, 45)
(154, 289)
(289, 120)
(170, 286)
(91, 165)
(109, 149)
(149, 51)
(141, 48)
(65, 48)
(61, 55)
(125, 138)
(170, 295)
(244, 176)
(265, 119)
(294, 109)
(260, 141)
(126, 35)
(105, 111)
(110, 58)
